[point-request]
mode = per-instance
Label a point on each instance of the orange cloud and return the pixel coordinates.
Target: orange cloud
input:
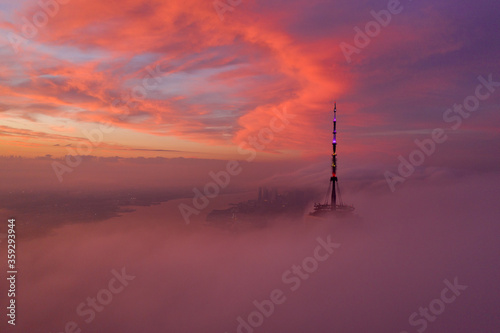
(175, 69)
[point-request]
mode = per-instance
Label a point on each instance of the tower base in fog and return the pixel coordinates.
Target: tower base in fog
(326, 210)
(333, 207)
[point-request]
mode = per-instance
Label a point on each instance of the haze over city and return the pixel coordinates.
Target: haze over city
(128, 129)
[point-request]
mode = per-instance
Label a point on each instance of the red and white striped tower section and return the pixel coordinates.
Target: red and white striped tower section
(334, 160)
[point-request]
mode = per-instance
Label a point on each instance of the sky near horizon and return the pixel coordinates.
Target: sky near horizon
(194, 79)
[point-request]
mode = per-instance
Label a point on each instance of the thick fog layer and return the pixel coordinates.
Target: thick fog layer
(425, 246)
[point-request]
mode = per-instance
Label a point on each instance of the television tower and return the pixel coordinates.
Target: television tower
(333, 180)
(336, 205)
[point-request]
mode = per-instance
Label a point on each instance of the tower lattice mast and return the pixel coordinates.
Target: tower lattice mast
(336, 204)
(333, 180)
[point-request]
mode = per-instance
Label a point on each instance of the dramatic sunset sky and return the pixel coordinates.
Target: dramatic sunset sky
(218, 81)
